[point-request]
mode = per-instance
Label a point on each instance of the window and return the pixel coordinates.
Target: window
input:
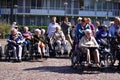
(27, 20)
(81, 4)
(39, 3)
(58, 4)
(55, 4)
(32, 20)
(99, 6)
(52, 5)
(33, 4)
(104, 6)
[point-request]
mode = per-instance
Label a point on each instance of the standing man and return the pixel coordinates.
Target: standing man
(66, 29)
(52, 27)
(50, 31)
(114, 28)
(13, 25)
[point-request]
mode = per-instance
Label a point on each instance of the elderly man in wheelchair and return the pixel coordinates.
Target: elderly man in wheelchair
(89, 45)
(15, 42)
(59, 42)
(38, 44)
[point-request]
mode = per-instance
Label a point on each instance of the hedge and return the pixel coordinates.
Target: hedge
(4, 29)
(35, 27)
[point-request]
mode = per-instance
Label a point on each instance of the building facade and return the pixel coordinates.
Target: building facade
(39, 12)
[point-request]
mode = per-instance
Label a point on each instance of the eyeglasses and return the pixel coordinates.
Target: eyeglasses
(16, 27)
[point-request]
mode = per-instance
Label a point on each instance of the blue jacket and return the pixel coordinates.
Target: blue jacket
(11, 38)
(79, 29)
(113, 30)
(102, 34)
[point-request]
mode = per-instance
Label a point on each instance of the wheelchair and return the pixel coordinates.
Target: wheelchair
(64, 49)
(9, 52)
(78, 59)
(115, 50)
(0, 52)
(26, 51)
(106, 57)
(35, 54)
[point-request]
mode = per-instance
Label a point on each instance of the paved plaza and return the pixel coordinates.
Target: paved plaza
(52, 69)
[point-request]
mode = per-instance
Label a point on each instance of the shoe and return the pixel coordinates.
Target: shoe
(98, 65)
(19, 60)
(15, 60)
(90, 64)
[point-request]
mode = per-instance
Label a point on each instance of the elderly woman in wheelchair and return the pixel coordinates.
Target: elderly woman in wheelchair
(89, 45)
(87, 48)
(59, 42)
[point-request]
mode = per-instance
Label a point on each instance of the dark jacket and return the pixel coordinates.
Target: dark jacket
(36, 39)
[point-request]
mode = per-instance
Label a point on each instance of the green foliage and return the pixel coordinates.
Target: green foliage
(4, 29)
(36, 27)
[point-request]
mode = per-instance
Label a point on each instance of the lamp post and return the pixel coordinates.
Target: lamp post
(107, 14)
(72, 7)
(96, 1)
(15, 6)
(65, 5)
(11, 12)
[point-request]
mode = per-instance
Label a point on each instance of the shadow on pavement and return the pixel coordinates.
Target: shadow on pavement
(69, 70)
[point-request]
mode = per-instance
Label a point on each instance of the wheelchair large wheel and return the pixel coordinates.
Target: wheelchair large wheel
(109, 61)
(68, 48)
(25, 53)
(47, 54)
(8, 52)
(0, 52)
(57, 51)
(75, 59)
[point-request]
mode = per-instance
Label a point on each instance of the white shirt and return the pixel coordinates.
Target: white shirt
(52, 28)
(84, 42)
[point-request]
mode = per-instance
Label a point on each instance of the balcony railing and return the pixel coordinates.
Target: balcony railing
(62, 11)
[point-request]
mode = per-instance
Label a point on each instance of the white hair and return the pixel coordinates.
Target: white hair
(37, 30)
(88, 31)
(26, 28)
(43, 30)
(79, 18)
(89, 19)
